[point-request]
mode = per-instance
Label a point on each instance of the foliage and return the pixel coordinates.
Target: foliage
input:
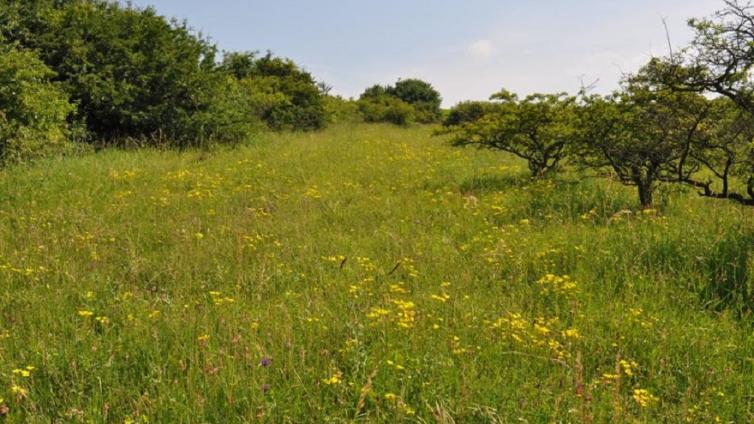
(724, 152)
(419, 94)
(467, 112)
(33, 110)
(539, 129)
(340, 110)
(644, 133)
(387, 109)
(291, 97)
(407, 101)
(720, 57)
(130, 71)
(719, 61)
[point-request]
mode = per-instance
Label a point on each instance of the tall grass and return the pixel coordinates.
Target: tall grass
(365, 273)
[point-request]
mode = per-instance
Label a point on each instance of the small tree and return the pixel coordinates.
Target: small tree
(725, 151)
(645, 134)
(720, 60)
(539, 129)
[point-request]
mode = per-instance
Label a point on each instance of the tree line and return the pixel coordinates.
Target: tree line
(101, 72)
(686, 118)
(97, 71)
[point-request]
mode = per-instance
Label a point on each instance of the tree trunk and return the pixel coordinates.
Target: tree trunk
(645, 193)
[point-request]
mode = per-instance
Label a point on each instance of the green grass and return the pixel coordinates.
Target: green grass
(389, 278)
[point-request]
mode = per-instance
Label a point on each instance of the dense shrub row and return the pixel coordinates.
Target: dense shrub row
(132, 74)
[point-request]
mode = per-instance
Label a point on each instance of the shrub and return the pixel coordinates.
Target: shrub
(387, 109)
(467, 112)
(131, 72)
(408, 101)
(33, 110)
(339, 109)
(421, 95)
(288, 98)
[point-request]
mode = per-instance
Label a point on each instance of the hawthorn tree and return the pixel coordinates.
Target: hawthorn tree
(541, 128)
(725, 151)
(644, 133)
(719, 61)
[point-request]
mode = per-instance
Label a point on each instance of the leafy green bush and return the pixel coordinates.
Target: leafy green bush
(288, 97)
(467, 112)
(387, 109)
(408, 101)
(131, 72)
(339, 109)
(33, 110)
(421, 95)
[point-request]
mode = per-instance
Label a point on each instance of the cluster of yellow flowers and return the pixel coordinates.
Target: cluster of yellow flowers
(334, 379)
(539, 333)
(218, 298)
(644, 398)
(313, 192)
(552, 283)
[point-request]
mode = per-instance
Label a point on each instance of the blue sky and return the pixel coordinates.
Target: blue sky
(467, 49)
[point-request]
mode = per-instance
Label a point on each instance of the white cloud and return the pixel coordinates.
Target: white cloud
(482, 49)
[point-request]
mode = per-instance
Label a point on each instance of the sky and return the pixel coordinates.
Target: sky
(467, 49)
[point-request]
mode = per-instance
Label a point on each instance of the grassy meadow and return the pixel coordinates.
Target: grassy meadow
(365, 273)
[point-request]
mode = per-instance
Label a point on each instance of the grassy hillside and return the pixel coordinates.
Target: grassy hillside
(365, 272)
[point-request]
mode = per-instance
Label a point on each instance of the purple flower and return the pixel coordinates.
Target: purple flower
(265, 362)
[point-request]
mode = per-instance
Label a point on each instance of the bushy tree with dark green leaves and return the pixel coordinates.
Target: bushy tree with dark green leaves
(131, 72)
(419, 94)
(541, 129)
(407, 101)
(34, 110)
(290, 97)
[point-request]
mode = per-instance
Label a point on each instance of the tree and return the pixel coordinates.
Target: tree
(724, 150)
(421, 95)
(539, 129)
(720, 57)
(720, 60)
(644, 133)
(409, 100)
